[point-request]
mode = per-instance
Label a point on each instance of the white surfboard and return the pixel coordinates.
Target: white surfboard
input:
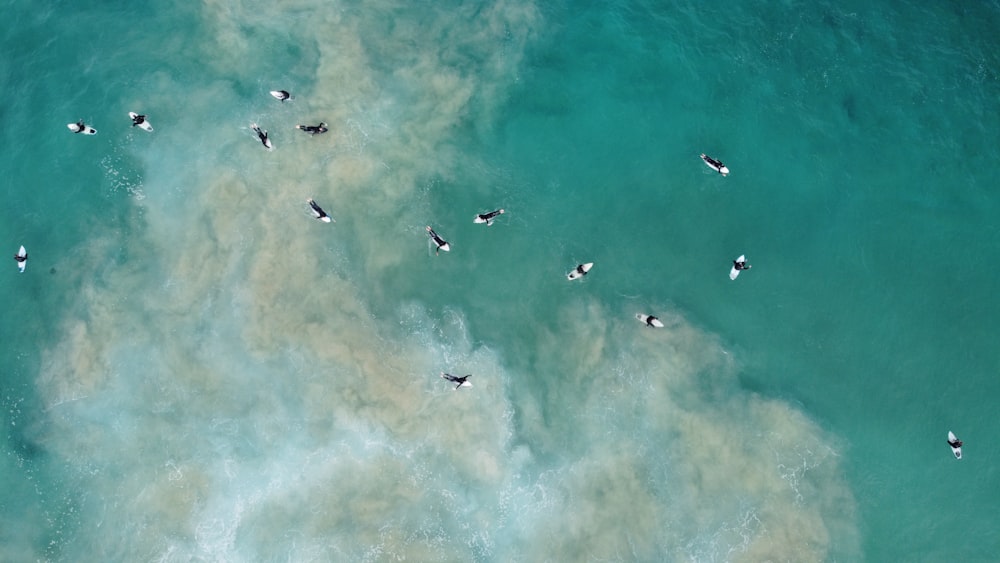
(87, 129)
(576, 274)
(714, 164)
(649, 320)
(957, 450)
(734, 272)
(144, 125)
(464, 384)
(281, 95)
(22, 264)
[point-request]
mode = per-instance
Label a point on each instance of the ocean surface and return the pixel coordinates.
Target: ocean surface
(197, 370)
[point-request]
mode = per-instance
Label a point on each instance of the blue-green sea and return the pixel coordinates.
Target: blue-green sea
(195, 369)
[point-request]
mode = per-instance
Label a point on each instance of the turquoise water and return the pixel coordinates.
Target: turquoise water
(197, 370)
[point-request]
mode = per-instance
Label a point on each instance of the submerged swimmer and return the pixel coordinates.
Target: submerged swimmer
(321, 128)
(460, 380)
(488, 217)
(440, 242)
(318, 211)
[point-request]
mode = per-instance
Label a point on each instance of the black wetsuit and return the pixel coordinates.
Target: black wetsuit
(437, 240)
(319, 210)
(321, 128)
(138, 120)
(455, 379)
(489, 216)
(650, 319)
(262, 135)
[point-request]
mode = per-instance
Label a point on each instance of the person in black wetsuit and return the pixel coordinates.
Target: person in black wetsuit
(440, 242)
(313, 129)
(489, 217)
(458, 380)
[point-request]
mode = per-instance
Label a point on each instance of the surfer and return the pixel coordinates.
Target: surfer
(138, 120)
(716, 164)
(281, 94)
(741, 265)
(956, 443)
(262, 135)
(21, 259)
(318, 211)
(440, 242)
(459, 381)
(321, 128)
(650, 321)
(80, 127)
(488, 217)
(580, 271)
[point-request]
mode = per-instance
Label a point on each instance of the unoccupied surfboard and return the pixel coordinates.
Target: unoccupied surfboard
(649, 320)
(576, 274)
(22, 264)
(87, 129)
(714, 164)
(734, 272)
(145, 124)
(957, 450)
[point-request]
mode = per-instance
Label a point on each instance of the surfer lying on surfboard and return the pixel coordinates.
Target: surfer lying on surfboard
(580, 271)
(262, 135)
(318, 211)
(321, 128)
(488, 217)
(715, 164)
(741, 265)
(22, 259)
(649, 320)
(440, 242)
(461, 381)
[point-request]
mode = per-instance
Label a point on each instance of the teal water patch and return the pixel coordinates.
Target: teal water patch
(218, 376)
